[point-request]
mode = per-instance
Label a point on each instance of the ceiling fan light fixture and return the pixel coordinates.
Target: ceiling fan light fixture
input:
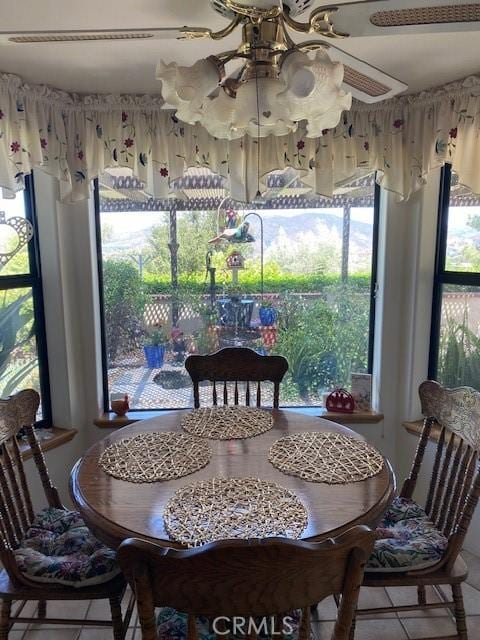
(321, 106)
(277, 85)
(304, 89)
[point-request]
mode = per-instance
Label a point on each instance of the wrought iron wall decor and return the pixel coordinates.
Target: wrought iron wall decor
(24, 230)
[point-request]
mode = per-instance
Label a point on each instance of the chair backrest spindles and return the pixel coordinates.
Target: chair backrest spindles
(23, 480)
(467, 485)
(435, 470)
(15, 489)
(410, 482)
(452, 477)
(6, 508)
(50, 491)
(236, 365)
(11, 517)
(440, 488)
(247, 578)
(456, 489)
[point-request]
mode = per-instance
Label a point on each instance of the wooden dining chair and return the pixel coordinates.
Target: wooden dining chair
(78, 568)
(256, 581)
(234, 365)
(420, 545)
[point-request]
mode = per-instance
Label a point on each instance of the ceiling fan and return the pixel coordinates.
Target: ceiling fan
(306, 79)
(327, 21)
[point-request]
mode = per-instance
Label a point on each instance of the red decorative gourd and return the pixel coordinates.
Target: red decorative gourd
(340, 401)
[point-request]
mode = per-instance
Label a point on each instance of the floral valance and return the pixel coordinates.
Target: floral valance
(76, 137)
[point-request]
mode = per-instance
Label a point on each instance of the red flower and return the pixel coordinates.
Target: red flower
(1, 114)
(366, 145)
(80, 155)
(300, 144)
(124, 116)
(15, 146)
(453, 132)
(164, 172)
(43, 143)
(325, 131)
(398, 123)
(128, 143)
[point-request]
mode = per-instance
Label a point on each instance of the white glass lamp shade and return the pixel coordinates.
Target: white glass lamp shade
(298, 75)
(274, 118)
(217, 116)
(186, 88)
(313, 91)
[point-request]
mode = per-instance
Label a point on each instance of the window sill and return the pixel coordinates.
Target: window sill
(60, 436)
(111, 421)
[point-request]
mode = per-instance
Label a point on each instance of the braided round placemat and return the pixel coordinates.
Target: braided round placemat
(325, 457)
(226, 508)
(226, 423)
(148, 457)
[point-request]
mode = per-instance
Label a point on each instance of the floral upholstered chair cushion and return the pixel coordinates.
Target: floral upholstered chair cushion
(59, 548)
(406, 540)
(401, 509)
(172, 625)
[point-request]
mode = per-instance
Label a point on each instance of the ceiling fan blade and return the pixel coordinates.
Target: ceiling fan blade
(39, 37)
(382, 17)
(363, 80)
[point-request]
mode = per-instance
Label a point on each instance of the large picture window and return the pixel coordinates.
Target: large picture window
(291, 277)
(23, 357)
(455, 337)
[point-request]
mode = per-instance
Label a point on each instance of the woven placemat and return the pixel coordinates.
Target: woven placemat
(148, 457)
(226, 423)
(325, 457)
(226, 508)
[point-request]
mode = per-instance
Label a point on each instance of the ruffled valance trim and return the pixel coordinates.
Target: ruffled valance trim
(76, 137)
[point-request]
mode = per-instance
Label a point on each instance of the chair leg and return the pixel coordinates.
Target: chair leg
(459, 611)
(5, 619)
(422, 596)
(352, 627)
(42, 609)
(117, 621)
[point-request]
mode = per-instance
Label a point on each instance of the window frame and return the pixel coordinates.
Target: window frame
(442, 275)
(33, 280)
(103, 344)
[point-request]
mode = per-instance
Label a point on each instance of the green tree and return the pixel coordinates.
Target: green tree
(194, 230)
(124, 302)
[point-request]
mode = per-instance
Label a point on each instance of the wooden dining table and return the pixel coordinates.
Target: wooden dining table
(116, 509)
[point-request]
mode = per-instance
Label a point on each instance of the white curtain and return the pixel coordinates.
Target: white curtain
(76, 137)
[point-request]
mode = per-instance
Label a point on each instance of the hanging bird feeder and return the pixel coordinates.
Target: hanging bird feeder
(235, 260)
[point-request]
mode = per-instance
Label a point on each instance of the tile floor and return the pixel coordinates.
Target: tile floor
(385, 627)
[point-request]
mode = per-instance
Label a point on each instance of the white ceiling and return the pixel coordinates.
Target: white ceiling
(422, 61)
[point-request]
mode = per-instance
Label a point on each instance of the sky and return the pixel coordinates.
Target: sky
(139, 220)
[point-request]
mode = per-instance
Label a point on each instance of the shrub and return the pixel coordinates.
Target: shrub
(250, 283)
(326, 340)
(123, 304)
(459, 357)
